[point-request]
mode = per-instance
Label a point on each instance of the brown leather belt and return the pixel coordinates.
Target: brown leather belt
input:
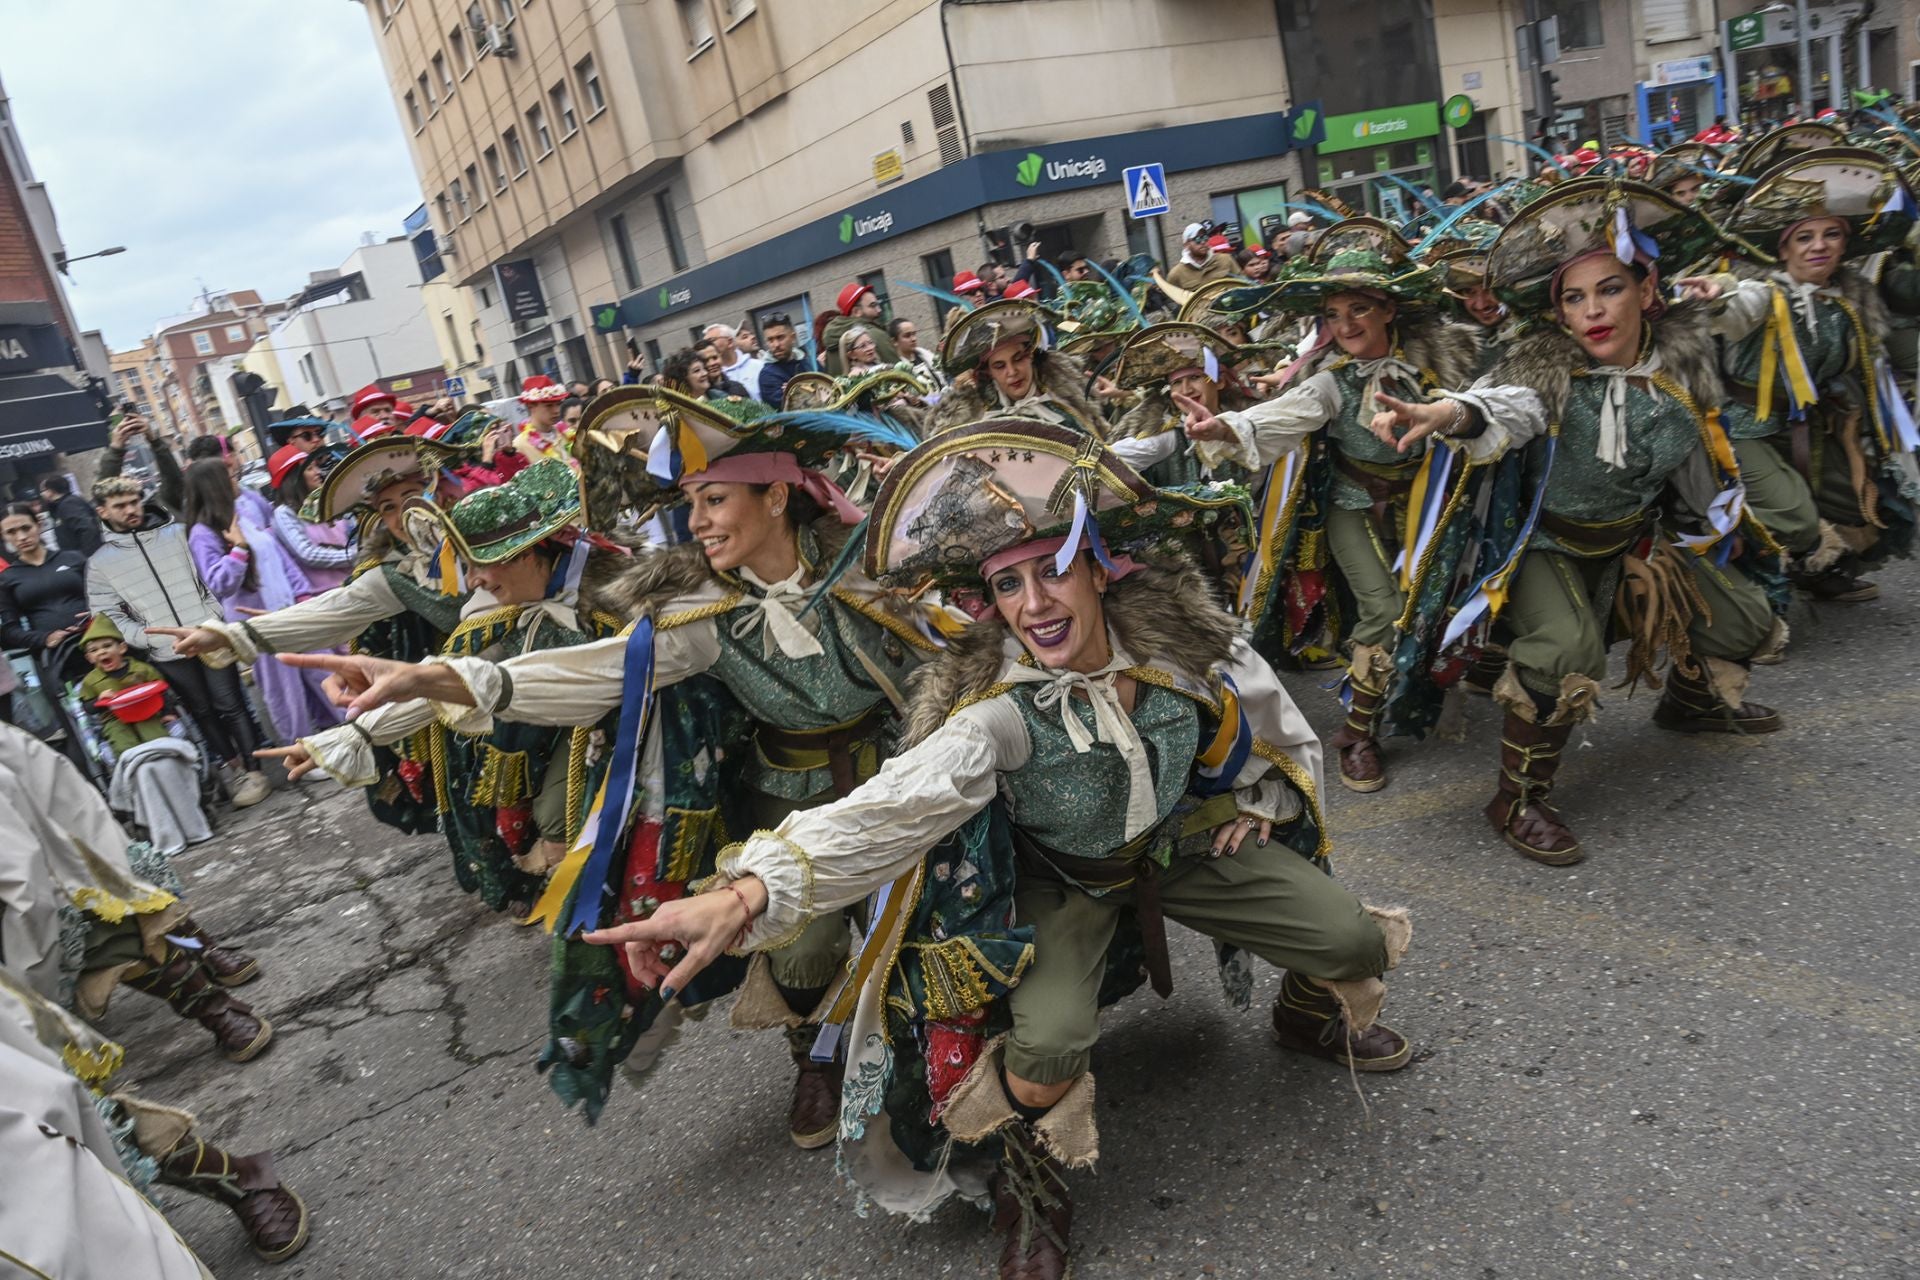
(1382, 486)
(1799, 434)
(834, 747)
(1129, 866)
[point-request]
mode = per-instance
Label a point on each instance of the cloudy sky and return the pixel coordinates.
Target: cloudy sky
(235, 143)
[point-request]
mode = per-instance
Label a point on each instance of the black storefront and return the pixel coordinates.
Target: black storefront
(48, 404)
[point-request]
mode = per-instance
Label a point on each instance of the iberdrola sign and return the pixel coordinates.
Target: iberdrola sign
(1381, 127)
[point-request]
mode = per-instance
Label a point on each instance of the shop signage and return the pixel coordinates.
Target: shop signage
(1683, 70)
(1748, 31)
(1384, 125)
(888, 167)
(519, 285)
(1458, 113)
(42, 410)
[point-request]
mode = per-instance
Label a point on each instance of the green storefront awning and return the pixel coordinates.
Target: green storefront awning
(1381, 127)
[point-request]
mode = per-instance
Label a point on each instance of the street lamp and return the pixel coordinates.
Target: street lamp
(62, 261)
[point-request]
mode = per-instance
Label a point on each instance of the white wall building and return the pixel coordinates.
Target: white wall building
(361, 324)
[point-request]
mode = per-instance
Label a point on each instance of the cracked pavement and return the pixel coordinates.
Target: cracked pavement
(1692, 1056)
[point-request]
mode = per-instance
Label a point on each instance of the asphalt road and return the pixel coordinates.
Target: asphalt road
(1692, 1056)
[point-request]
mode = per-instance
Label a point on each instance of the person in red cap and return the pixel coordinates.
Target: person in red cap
(368, 427)
(1020, 289)
(546, 402)
(324, 552)
(969, 287)
(859, 305)
(371, 402)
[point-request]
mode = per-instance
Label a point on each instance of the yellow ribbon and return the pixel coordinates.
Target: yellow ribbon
(553, 899)
(1780, 346)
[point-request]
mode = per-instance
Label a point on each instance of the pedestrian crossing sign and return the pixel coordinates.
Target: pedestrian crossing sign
(1146, 190)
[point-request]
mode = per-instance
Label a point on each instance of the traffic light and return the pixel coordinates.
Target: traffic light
(1549, 98)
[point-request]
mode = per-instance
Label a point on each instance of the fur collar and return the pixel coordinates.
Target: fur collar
(1157, 411)
(1446, 349)
(971, 398)
(1861, 291)
(652, 578)
(1545, 357)
(1166, 615)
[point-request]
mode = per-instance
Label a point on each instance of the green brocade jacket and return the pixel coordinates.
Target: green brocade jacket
(1827, 344)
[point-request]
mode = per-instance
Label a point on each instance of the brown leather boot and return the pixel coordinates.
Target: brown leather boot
(1485, 671)
(1836, 586)
(1032, 1206)
(1529, 757)
(1307, 1018)
(813, 1119)
(275, 1219)
(1690, 705)
(1361, 766)
(231, 967)
(185, 982)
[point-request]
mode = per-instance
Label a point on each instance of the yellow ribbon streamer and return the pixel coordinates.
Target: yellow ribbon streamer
(1780, 346)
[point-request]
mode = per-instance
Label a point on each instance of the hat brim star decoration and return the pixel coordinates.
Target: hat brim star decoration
(971, 335)
(1769, 149)
(1355, 255)
(495, 524)
(1159, 351)
(1861, 187)
(1633, 221)
(636, 444)
(969, 494)
(357, 479)
(824, 392)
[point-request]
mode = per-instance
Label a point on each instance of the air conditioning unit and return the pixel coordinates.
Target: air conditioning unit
(499, 41)
(445, 247)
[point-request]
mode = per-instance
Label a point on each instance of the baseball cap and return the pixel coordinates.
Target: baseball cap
(1299, 218)
(1193, 231)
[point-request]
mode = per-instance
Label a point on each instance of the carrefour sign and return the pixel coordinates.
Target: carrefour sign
(1382, 127)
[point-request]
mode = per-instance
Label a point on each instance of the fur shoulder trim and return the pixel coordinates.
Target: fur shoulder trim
(1444, 348)
(1148, 418)
(1544, 358)
(971, 397)
(653, 579)
(1166, 615)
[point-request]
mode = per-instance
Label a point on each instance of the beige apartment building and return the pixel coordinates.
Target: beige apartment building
(605, 170)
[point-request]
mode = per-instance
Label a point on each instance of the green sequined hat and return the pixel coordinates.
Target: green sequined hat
(969, 494)
(499, 522)
(1459, 254)
(1861, 187)
(442, 443)
(1585, 215)
(1354, 255)
(970, 335)
(1089, 314)
(1158, 351)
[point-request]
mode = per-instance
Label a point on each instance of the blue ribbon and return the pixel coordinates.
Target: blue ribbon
(635, 713)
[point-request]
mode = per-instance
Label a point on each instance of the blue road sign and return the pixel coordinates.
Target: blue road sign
(1146, 190)
(454, 387)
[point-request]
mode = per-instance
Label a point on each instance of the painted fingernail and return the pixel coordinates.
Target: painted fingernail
(1263, 842)
(666, 994)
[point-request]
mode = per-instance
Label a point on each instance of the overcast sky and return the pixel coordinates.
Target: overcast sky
(239, 143)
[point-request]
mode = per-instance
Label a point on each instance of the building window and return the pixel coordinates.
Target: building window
(1259, 212)
(537, 127)
(473, 185)
(738, 9)
(654, 358)
(1579, 22)
(516, 154)
(670, 228)
(203, 342)
(877, 281)
(562, 100)
(494, 170)
(440, 72)
(413, 111)
(446, 210)
(462, 57)
(453, 338)
(236, 333)
(311, 372)
(590, 91)
(506, 11)
(1470, 148)
(426, 93)
(623, 249)
(939, 272)
(486, 298)
(695, 21)
(460, 200)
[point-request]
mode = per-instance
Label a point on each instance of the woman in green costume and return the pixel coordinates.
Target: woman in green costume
(1100, 753)
(1627, 487)
(815, 660)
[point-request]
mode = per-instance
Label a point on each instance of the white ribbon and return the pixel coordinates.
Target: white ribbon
(1612, 448)
(1111, 725)
(1377, 372)
(1802, 294)
(775, 609)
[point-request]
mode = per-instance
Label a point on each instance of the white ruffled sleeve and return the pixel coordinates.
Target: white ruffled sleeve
(1269, 429)
(822, 859)
(1741, 307)
(319, 622)
(1141, 452)
(1266, 787)
(1513, 415)
(573, 685)
(345, 752)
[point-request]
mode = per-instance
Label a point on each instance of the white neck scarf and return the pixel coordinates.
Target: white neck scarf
(1802, 294)
(774, 609)
(1111, 725)
(1376, 372)
(1612, 448)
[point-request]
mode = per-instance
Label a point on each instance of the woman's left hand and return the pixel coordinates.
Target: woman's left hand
(670, 947)
(1698, 288)
(236, 536)
(1228, 835)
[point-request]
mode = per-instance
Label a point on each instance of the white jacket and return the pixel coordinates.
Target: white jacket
(145, 578)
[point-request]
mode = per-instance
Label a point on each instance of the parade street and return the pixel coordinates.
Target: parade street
(1691, 1056)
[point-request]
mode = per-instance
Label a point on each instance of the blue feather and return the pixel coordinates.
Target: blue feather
(1460, 211)
(856, 540)
(1317, 210)
(1542, 152)
(1120, 289)
(854, 426)
(951, 298)
(1880, 114)
(1050, 267)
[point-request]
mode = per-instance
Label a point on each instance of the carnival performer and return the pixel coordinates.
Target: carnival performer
(545, 401)
(1000, 364)
(1104, 748)
(1334, 494)
(77, 1209)
(502, 796)
(324, 551)
(815, 658)
(1821, 427)
(401, 602)
(87, 908)
(1621, 452)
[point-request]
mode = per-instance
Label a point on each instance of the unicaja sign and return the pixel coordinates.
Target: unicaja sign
(852, 228)
(1030, 170)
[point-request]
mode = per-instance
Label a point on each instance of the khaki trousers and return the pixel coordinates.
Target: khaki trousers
(1367, 565)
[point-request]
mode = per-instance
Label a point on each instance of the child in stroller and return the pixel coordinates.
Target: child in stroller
(157, 773)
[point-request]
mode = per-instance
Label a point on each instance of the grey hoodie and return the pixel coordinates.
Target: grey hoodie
(145, 578)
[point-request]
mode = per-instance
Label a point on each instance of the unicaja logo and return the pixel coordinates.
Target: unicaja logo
(665, 299)
(846, 228)
(1028, 174)
(852, 228)
(1091, 167)
(674, 297)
